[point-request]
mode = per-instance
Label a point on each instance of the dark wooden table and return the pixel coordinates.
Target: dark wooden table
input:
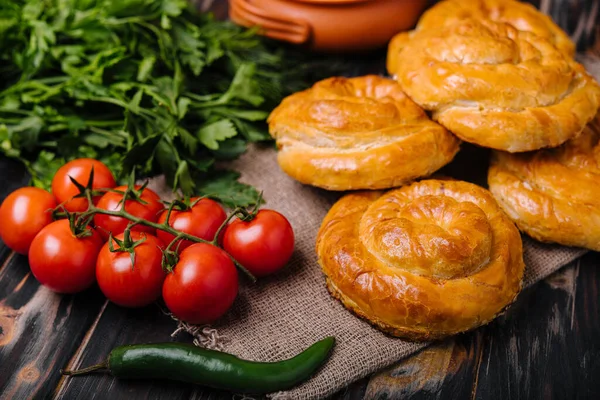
(546, 347)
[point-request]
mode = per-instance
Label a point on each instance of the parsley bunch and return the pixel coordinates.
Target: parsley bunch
(145, 84)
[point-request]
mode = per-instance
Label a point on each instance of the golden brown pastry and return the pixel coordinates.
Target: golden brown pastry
(497, 87)
(424, 261)
(522, 16)
(553, 195)
(357, 133)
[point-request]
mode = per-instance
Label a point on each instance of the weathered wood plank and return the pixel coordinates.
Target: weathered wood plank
(442, 371)
(550, 332)
(547, 345)
(465, 362)
(117, 326)
(354, 391)
(39, 330)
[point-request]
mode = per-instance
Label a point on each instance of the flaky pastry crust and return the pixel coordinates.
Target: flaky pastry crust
(357, 133)
(522, 16)
(422, 262)
(553, 195)
(497, 87)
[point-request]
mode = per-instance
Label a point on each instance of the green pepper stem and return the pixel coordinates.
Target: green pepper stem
(102, 366)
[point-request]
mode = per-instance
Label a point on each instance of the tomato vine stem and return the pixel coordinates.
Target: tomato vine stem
(92, 210)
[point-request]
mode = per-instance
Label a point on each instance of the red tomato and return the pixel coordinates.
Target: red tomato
(23, 214)
(202, 220)
(132, 287)
(111, 201)
(64, 190)
(202, 286)
(263, 245)
(63, 262)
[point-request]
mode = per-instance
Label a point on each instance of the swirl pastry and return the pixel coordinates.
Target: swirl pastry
(522, 16)
(357, 133)
(553, 195)
(497, 87)
(424, 261)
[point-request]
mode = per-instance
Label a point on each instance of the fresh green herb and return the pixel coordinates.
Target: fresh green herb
(145, 84)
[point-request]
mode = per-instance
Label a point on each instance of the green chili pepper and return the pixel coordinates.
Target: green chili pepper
(188, 363)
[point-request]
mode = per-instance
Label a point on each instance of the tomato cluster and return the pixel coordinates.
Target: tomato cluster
(130, 261)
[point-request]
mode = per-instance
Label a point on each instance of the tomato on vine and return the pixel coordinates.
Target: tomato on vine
(263, 245)
(128, 283)
(80, 170)
(23, 214)
(63, 261)
(202, 285)
(202, 220)
(141, 202)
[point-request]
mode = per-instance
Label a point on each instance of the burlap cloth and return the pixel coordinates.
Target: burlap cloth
(282, 315)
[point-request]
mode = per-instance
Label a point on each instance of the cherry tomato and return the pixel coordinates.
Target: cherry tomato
(263, 245)
(79, 169)
(202, 286)
(23, 214)
(132, 287)
(112, 201)
(62, 261)
(202, 220)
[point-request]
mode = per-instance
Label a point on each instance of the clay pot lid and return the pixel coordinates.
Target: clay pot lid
(329, 25)
(325, 2)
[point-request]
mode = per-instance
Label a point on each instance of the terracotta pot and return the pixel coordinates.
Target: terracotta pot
(329, 25)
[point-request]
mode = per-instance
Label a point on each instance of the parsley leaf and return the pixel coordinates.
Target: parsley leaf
(150, 85)
(224, 185)
(210, 135)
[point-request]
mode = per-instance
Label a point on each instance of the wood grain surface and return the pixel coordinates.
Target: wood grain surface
(542, 348)
(39, 330)
(546, 347)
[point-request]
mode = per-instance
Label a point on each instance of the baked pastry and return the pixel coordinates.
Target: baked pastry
(553, 195)
(497, 87)
(357, 133)
(522, 16)
(424, 261)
